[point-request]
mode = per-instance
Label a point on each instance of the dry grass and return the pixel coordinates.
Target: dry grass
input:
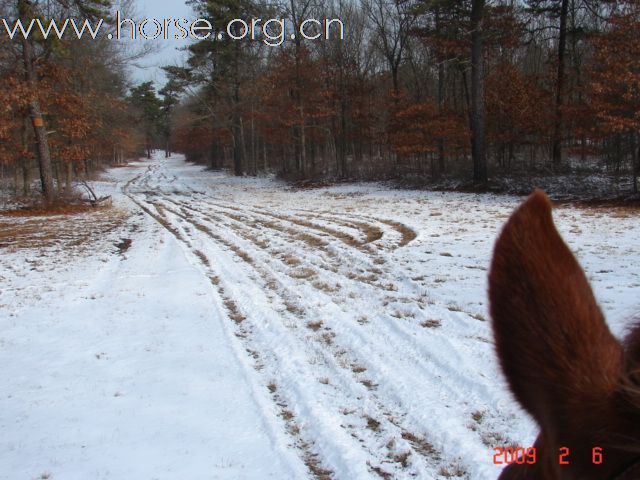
(302, 273)
(452, 470)
(286, 415)
(311, 240)
(313, 463)
(203, 258)
(315, 326)
(399, 314)
(40, 210)
(381, 473)
(61, 230)
(327, 337)
(402, 458)
(369, 384)
(293, 308)
(421, 445)
(372, 424)
(496, 439)
(342, 236)
(372, 232)
(478, 416)
(291, 261)
(261, 242)
(358, 368)
(362, 277)
(311, 458)
(234, 311)
(325, 287)
(407, 234)
(431, 323)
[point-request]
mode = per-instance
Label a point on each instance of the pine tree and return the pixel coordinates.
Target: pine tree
(217, 65)
(148, 107)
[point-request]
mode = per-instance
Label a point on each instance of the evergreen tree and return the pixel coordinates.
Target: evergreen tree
(148, 107)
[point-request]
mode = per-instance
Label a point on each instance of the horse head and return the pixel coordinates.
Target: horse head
(563, 364)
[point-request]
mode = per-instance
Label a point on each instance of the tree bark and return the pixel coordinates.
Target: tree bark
(636, 161)
(478, 151)
(556, 149)
(238, 137)
(437, 172)
(69, 178)
(39, 129)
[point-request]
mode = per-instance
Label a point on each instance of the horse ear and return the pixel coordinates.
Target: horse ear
(553, 344)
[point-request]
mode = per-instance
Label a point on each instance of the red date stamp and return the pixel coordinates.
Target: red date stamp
(529, 455)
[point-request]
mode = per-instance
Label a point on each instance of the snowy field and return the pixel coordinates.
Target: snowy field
(209, 327)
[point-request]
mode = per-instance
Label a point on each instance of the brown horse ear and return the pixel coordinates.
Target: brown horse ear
(554, 346)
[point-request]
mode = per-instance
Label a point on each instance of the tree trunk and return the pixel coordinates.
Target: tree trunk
(478, 151)
(303, 142)
(26, 181)
(214, 157)
(16, 179)
(437, 172)
(39, 129)
(238, 136)
(254, 161)
(237, 147)
(636, 162)
(556, 149)
(68, 178)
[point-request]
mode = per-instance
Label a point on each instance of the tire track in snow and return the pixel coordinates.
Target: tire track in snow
(346, 253)
(382, 424)
(409, 344)
(307, 451)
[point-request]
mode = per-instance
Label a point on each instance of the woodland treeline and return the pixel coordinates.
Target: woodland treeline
(431, 89)
(66, 107)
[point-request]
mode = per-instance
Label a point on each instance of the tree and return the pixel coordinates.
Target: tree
(392, 22)
(26, 11)
(616, 82)
(148, 105)
(217, 64)
(558, 11)
(478, 141)
(170, 98)
(446, 33)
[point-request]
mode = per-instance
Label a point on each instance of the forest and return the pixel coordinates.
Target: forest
(432, 92)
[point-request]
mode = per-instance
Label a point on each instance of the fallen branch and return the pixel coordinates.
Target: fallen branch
(95, 201)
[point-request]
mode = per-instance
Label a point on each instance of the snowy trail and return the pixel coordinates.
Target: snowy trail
(136, 377)
(349, 322)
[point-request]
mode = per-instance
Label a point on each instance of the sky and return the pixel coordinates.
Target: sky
(167, 50)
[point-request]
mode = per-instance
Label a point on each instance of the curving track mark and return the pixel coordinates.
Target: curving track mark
(336, 348)
(350, 359)
(330, 343)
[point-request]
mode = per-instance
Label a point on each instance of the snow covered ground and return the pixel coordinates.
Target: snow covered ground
(249, 330)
